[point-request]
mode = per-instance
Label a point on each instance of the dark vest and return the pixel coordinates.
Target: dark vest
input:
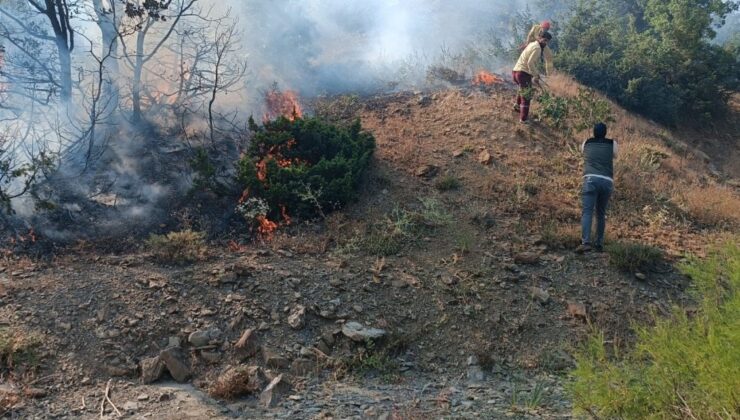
(599, 154)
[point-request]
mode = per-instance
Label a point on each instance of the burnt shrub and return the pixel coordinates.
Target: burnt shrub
(304, 167)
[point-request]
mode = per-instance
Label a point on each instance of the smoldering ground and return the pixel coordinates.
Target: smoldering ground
(136, 171)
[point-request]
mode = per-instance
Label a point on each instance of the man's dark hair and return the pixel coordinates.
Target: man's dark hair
(544, 34)
(600, 130)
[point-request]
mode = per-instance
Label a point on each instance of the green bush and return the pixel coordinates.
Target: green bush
(685, 366)
(631, 257)
(306, 166)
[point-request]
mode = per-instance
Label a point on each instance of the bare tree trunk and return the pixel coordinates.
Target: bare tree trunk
(58, 13)
(65, 69)
(107, 22)
(138, 69)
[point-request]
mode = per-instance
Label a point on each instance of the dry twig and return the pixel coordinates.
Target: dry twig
(106, 397)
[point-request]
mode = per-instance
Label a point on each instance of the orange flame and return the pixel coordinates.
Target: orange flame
(275, 153)
(484, 78)
(266, 227)
(283, 103)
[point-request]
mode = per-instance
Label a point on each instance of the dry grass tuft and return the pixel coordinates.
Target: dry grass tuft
(237, 381)
(178, 247)
(712, 205)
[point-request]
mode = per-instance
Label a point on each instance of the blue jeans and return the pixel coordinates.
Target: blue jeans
(595, 196)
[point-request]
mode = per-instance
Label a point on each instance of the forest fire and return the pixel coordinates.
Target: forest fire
(484, 78)
(282, 103)
(285, 104)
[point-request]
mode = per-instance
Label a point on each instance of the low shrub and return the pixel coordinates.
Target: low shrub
(304, 167)
(178, 247)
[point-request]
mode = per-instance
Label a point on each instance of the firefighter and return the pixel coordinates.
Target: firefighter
(527, 71)
(532, 36)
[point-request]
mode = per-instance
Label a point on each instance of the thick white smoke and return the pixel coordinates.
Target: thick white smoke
(331, 46)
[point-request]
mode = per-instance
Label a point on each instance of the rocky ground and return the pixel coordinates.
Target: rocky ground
(475, 311)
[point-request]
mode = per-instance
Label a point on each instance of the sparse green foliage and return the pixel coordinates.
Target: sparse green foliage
(588, 109)
(684, 366)
(178, 247)
(17, 175)
(289, 161)
(382, 243)
(631, 257)
(553, 109)
(578, 113)
(388, 236)
(531, 400)
(433, 214)
(464, 240)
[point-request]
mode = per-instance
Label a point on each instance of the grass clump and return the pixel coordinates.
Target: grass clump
(433, 214)
(556, 236)
(18, 351)
(388, 236)
(448, 183)
(681, 367)
(382, 243)
(178, 247)
(378, 358)
(631, 257)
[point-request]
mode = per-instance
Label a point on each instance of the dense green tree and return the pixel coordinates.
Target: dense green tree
(653, 56)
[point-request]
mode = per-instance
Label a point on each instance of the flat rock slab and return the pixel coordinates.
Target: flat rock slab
(357, 332)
